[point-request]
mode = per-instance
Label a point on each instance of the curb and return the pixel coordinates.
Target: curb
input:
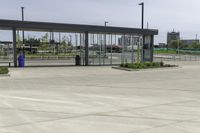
(125, 69)
(4, 75)
(148, 69)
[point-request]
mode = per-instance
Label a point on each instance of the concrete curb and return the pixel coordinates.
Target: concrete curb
(4, 75)
(125, 69)
(148, 69)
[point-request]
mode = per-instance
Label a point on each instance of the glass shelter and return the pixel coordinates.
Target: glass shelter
(95, 45)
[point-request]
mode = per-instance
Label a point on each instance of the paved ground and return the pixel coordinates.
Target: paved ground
(100, 100)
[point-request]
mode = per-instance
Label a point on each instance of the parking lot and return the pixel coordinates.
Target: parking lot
(101, 100)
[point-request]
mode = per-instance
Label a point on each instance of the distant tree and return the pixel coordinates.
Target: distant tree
(45, 38)
(19, 40)
(32, 41)
(175, 44)
(44, 41)
(66, 44)
(194, 45)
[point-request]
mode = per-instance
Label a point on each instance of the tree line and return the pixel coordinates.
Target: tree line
(178, 44)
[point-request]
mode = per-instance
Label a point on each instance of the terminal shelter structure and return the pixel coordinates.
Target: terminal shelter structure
(94, 44)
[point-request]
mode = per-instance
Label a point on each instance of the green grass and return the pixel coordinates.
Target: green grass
(145, 65)
(165, 51)
(174, 51)
(4, 70)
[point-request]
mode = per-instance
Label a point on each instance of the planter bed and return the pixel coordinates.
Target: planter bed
(143, 66)
(4, 71)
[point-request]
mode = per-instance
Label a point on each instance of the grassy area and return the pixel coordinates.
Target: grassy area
(4, 70)
(145, 65)
(174, 51)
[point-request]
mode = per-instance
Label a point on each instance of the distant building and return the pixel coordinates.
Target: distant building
(189, 41)
(172, 36)
(161, 45)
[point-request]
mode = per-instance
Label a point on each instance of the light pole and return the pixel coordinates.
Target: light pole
(22, 8)
(142, 26)
(106, 22)
(142, 4)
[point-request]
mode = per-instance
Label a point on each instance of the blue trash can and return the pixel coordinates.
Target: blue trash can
(21, 60)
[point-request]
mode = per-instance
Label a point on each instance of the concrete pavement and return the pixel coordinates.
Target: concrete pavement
(101, 100)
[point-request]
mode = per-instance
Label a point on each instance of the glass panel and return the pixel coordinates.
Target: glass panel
(6, 48)
(147, 48)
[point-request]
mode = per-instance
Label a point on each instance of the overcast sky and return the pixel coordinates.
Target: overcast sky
(182, 15)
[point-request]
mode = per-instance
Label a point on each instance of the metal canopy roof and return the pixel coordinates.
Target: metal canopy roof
(61, 27)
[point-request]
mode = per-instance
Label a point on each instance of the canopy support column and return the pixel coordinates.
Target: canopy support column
(14, 47)
(152, 47)
(86, 48)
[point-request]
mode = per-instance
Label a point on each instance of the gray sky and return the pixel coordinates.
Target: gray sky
(182, 15)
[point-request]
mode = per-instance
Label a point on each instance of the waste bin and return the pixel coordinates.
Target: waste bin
(78, 60)
(21, 60)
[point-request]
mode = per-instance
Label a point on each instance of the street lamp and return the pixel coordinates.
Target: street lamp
(142, 4)
(105, 48)
(142, 26)
(106, 22)
(22, 9)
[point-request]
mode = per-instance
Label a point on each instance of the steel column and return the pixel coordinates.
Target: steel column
(14, 47)
(142, 47)
(152, 47)
(86, 48)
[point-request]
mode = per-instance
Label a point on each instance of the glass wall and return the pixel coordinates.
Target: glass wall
(147, 48)
(6, 47)
(61, 48)
(113, 49)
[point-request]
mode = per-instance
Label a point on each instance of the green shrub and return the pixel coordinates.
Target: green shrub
(126, 65)
(156, 64)
(4, 70)
(122, 65)
(142, 65)
(148, 64)
(145, 65)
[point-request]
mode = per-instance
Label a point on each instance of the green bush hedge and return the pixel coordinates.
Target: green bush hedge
(4, 70)
(145, 65)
